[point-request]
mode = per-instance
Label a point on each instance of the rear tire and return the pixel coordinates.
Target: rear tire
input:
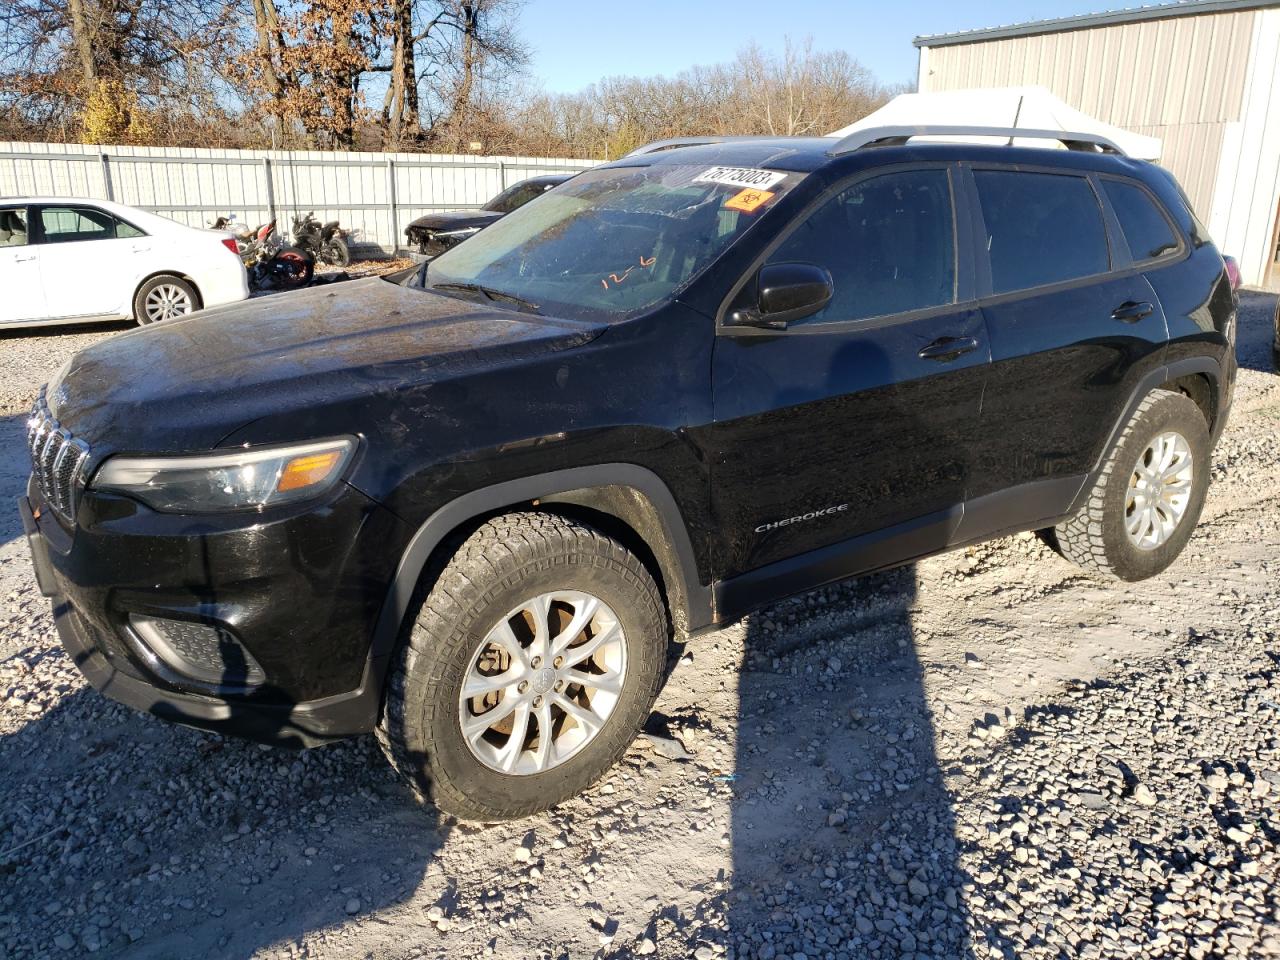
(335, 252)
(482, 591)
(1142, 511)
(163, 298)
(293, 266)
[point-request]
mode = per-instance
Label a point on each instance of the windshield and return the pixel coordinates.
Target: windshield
(517, 196)
(612, 241)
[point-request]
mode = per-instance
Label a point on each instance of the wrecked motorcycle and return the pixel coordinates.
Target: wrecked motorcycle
(270, 264)
(325, 242)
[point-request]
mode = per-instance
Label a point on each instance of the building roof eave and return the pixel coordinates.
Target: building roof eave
(1182, 8)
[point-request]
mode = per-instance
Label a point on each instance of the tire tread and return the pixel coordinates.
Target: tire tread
(1082, 538)
(491, 558)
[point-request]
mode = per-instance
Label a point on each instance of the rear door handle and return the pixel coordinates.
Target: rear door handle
(946, 349)
(1131, 311)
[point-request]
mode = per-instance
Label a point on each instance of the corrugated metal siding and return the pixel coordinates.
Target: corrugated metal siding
(1133, 74)
(1193, 152)
(1245, 209)
(1180, 79)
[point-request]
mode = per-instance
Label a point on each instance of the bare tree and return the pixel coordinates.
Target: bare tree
(798, 92)
(400, 106)
(447, 73)
(136, 58)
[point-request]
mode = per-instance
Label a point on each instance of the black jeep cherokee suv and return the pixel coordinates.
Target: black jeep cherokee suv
(469, 509)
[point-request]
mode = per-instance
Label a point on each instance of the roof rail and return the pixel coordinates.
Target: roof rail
(673, 142)
(897, 136)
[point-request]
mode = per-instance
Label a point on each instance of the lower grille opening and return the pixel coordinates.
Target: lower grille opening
(198, 651)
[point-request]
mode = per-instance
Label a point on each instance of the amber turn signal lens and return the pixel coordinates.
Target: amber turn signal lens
(307, 471)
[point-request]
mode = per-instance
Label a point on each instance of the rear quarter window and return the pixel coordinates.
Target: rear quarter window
(1145, 228)
(1042, 228)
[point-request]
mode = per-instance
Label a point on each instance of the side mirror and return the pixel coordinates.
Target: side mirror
(785, 292)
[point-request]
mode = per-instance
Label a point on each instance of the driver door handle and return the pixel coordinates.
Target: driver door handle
(1132, 311)
(946, 349)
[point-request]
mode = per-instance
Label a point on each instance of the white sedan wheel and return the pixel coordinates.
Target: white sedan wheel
(166, 301)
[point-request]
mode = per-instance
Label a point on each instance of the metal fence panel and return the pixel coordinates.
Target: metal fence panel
(374, 195)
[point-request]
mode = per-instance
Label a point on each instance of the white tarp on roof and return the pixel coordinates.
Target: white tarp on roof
(1031, 107)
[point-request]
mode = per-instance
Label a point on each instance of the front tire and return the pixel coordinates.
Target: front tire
(164, 298)
(1147, 500)
(530, 666)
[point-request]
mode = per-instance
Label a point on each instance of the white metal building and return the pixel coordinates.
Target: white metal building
(1202, 75)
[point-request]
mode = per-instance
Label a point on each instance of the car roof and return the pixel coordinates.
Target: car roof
(65, 200)
(555, 178)
(808, 154)
(782, 153)
(153, 222)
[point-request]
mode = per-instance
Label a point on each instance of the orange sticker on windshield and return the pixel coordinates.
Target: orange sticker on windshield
(748, 201)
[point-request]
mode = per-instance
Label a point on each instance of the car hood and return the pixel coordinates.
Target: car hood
(454, 220)
(188, 384)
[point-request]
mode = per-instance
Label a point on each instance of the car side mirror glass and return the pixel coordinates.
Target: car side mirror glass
(785, 292)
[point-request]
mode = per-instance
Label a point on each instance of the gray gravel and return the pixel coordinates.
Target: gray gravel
(29, 359)
(985, 755)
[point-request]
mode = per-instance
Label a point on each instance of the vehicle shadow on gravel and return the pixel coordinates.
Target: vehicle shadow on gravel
(127, 836)
(843, 834)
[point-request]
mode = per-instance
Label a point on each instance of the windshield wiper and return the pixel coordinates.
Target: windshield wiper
(489, 292)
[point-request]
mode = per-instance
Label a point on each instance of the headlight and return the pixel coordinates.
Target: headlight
(232, 480)
(460, 232)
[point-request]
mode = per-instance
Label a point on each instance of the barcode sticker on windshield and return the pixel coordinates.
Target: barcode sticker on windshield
(741, 177)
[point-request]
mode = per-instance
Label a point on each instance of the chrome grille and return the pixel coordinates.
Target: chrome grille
(57, 459)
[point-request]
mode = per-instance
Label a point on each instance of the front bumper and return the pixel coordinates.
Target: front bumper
(298, 592)
(427, 244)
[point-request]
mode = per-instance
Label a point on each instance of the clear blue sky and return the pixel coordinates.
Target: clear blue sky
(576, 42)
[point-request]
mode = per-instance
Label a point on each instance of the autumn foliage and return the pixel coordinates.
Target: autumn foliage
(441, 75)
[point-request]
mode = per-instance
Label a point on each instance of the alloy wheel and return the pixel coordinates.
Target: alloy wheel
(543, 682)
(1159, 491)
(166, 301)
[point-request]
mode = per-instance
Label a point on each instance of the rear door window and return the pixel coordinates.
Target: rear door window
(888, 242)
(1042, 228)
(76, 224)
(1146, 229)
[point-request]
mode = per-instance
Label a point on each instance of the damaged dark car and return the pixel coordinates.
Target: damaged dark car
(435, 233)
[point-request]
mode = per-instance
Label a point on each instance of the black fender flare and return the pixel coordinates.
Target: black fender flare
(1208, 366)
(691, 601)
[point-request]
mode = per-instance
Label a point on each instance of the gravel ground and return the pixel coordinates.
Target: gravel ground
(988, 754)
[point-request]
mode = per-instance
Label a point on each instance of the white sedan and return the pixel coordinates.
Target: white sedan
(74, 261)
